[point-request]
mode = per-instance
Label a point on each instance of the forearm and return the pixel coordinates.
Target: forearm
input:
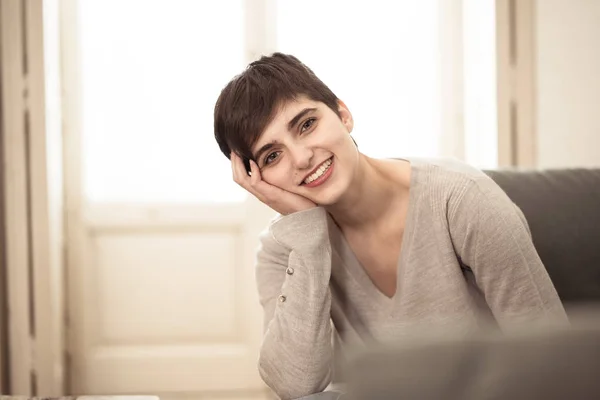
(296, 354)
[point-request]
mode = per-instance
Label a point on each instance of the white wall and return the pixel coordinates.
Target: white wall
(568, 83)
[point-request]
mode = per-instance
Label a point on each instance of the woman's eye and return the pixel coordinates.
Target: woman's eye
(307, 124)
(271, 157)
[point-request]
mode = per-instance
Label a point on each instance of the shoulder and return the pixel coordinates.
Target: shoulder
(458, 185)
(448, 179)
(447, 171)
(448, 165)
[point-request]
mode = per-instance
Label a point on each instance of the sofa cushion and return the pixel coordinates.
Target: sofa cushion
(562, 208)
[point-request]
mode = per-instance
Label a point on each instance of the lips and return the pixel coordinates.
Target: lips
(320, 169)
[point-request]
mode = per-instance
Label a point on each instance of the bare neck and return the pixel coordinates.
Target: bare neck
(378, 188)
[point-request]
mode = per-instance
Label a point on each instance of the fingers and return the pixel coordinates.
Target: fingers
(240, 176)
(255, 177)
(238, 170)
(278, 199)
(256, 185)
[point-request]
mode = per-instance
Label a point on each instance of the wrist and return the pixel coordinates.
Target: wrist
(305, 227)
(298, 209)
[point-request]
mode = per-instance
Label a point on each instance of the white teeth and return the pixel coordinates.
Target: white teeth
(324, 167)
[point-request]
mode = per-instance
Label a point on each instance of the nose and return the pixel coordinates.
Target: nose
(301, 156)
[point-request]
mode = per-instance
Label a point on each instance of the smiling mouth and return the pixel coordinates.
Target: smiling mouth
(319, 172)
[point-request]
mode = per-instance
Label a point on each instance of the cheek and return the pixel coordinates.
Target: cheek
(340, 141)
(329, 137)
(341, 134)
(276, 176)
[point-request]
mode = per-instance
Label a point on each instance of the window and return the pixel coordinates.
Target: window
(152, 71)
(480, 103)
(381, 58)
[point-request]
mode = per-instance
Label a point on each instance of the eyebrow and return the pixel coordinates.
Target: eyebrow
(291, 125)
(298, 116)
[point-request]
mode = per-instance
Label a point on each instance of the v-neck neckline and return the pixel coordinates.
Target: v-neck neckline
(358, 272)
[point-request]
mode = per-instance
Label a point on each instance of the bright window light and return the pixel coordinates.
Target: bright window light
(480, 101)
(151, 73)
(381, 58)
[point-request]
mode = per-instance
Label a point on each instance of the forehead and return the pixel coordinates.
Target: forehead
(284, 114)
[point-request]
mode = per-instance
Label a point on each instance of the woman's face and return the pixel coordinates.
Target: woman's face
(307, 150)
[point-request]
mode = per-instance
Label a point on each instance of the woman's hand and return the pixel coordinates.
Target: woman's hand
(282, 201)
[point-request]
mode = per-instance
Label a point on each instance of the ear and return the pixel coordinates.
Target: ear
(345, 116)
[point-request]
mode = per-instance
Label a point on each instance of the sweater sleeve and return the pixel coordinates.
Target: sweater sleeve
(293, 271)
(492, 238)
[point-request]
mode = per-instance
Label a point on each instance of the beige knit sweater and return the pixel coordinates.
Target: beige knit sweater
(466, 257)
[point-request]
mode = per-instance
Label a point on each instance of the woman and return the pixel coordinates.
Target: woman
(373, 245)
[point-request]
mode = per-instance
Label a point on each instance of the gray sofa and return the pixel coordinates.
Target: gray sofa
(562, 208)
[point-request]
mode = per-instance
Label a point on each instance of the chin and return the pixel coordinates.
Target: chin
(329, 197)
(331, 192)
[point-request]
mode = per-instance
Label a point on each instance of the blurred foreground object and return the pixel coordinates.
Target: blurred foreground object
(535, 363)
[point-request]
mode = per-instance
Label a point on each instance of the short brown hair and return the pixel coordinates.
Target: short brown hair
(250, 100)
